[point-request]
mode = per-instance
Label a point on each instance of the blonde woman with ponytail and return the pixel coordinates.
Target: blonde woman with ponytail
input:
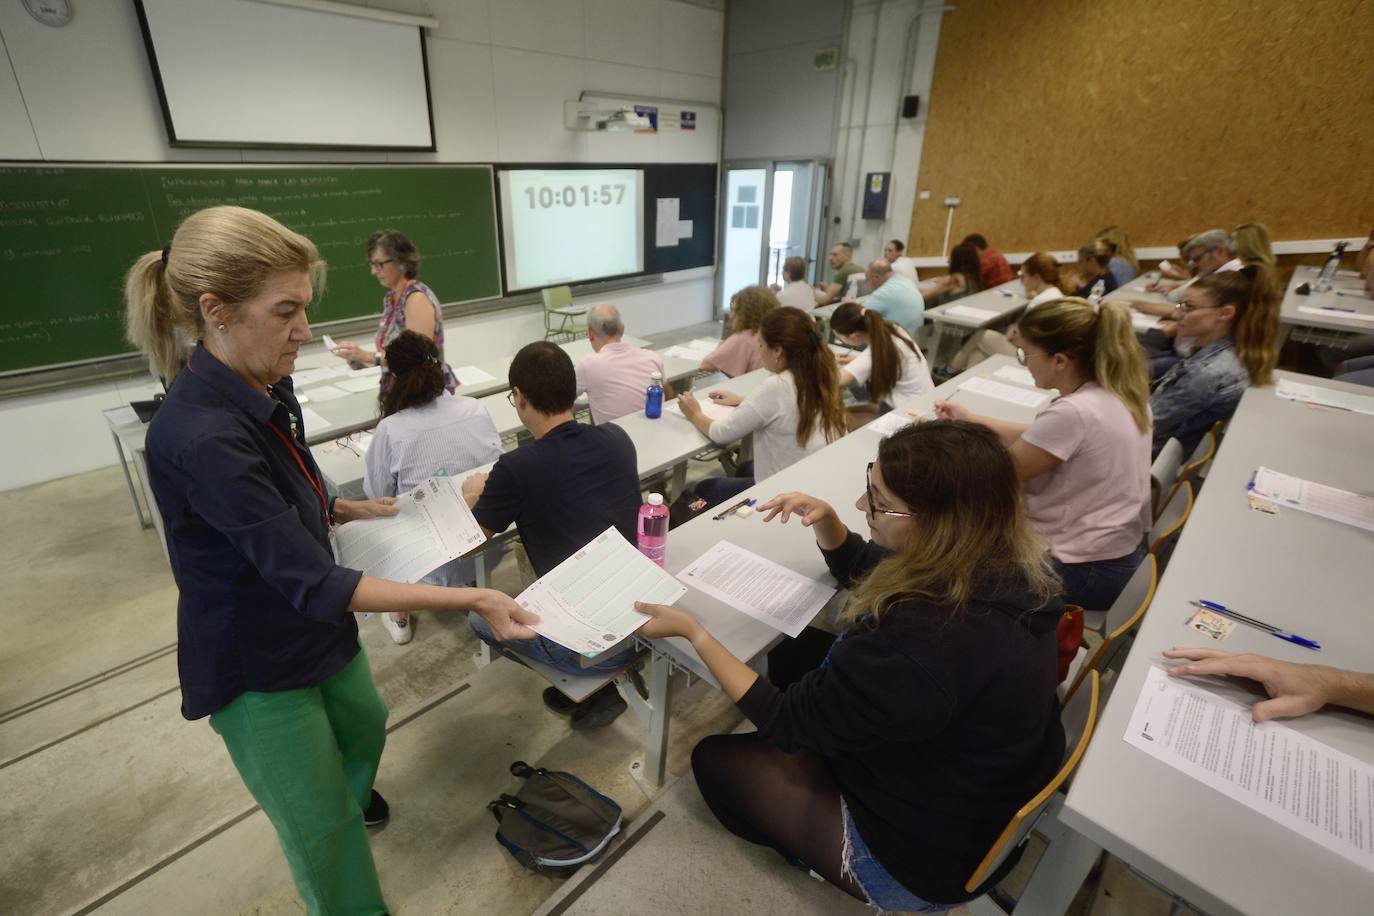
(1234, 317)
(888, 759)
(1085, 460)
(891, 364)
(267, 638)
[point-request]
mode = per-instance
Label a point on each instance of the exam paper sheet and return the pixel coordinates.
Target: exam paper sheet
(767, 591)
(1322, 793)
(712, 410)
(1327, 397)
(972, 312)
(1316, 498)
(889, 423)
(1003, 392)
(1018, 374)
(356, 385)
(587, 602)
(1335, 313)
(434, 526)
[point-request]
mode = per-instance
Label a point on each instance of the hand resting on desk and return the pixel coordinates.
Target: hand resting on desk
(1294, 690)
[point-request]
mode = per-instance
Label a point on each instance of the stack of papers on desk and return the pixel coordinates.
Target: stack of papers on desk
(1327, 397)
(323, 393)
(587, 602)
(434, 526)
(693, 349)
(1335, 313)
(471, 375)
(1316, 498)
(712, 410)
(1003, 392)
(767, 591)
(315, 376)
(1018, 374)
(973, 313)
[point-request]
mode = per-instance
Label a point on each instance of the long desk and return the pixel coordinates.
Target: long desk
(1292, 570)
(991, 307)
(1328, 325)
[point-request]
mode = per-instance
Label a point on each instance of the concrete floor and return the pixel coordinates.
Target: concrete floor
(112, 803)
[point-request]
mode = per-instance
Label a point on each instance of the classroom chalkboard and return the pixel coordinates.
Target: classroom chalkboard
(68, 234)
(694, 185)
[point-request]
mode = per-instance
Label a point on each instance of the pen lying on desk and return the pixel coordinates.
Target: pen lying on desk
(743, 502)
(1269, 628)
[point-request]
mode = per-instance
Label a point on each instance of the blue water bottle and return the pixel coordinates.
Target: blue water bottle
(653, 397)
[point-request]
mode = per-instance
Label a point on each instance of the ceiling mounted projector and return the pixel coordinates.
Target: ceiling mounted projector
(588, 116)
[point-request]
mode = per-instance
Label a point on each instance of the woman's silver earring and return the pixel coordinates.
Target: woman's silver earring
(221, 327)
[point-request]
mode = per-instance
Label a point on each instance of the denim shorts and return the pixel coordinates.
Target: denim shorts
(882, 890)
(560, 658)
(1096, 585)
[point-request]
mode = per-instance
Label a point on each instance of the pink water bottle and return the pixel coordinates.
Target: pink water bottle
(652, 531)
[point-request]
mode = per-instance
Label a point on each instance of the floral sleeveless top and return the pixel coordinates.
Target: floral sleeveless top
(394, 322)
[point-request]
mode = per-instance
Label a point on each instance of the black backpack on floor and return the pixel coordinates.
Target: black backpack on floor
(556, 821)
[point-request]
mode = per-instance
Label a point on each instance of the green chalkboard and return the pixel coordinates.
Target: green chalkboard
(69, 234)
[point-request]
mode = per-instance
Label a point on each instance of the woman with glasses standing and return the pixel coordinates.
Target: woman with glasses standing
(1234, 320)
(889, 758)
(407, 305)
(1085, 460)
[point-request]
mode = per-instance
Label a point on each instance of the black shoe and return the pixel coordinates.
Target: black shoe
(599, 710)
(378, 811)
(557, 701)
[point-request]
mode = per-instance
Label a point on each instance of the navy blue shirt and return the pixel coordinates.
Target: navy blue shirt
(562, 490)
(263, 605)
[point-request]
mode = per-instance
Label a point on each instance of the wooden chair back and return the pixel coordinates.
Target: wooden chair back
(1122, 618)
(1171, 521)
(1164, 474)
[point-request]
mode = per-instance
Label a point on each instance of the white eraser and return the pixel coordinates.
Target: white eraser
(744, 511)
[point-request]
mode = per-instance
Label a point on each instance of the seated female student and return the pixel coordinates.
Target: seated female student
(1234, 317)
(1253, 244)
(425, 432)
(1040, 281)
(891, 758)
(1124, 265)
(1085, 460)
(795, 412)
(963, 278)
(891, 365)
(739, 353)
(1094, 274)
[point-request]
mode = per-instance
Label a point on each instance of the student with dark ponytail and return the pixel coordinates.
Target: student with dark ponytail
(891, 365)
(1085, 460)
(425, 432)
(1234, 317)
(795, 412)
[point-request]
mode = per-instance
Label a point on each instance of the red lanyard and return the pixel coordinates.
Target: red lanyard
(300, 462)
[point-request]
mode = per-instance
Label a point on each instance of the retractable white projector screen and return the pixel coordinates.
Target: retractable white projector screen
(245, 73)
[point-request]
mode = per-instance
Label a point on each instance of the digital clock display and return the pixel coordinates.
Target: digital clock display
(606, 195)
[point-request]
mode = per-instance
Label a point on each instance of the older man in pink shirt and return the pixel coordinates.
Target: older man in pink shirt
(615, 374)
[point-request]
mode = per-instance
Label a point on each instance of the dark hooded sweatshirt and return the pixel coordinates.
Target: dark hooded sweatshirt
(937, 727)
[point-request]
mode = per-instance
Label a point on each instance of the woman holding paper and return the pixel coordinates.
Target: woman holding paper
(267, 636)
(425, 432)
(1085, 460)
(891, 758)
(891, 365)
(408, 304)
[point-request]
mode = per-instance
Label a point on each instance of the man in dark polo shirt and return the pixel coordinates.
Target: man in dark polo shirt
(560, 491)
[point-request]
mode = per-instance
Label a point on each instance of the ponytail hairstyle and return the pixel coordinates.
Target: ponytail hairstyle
(1253, 292)
(813, 369)
(1101, 340)
(229, 252)
(963, 259)
(749, 306)
(417, 375)
(1044, 266)
(1116, 237)
(1253, 245)
(851, 318)
(959, 480)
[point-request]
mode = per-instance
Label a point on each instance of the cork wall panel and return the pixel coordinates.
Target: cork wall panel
(1051, 119)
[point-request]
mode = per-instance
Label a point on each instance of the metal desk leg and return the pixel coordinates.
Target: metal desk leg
(679, 480)
(141, 468)
(483, 650)
(1062, 870)
(656, 729)
(936, 338)
(129, 480)
(1285, 330)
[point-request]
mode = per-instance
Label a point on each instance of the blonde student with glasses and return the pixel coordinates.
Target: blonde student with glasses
(1085, 460)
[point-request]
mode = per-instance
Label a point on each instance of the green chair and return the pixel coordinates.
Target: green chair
(561, 316)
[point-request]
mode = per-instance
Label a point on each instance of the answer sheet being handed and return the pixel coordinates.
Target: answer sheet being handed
(1309, 787)
(766, 591)
(587, 602)
(434, 526)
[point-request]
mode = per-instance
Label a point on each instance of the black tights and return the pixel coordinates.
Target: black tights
(788, 802)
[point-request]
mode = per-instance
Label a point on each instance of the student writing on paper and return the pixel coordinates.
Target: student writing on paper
(425, 432)
(993, 269)
(964, 278)
(1085, 460)
(1092, 275)
(267, 640)
(891, 365)
(889, 759)
(740, 352)
(408, 303)
(1294, 690)
(1233, 319)
(615, 374)
(1040, 282)
(795, 412)
(562, 490)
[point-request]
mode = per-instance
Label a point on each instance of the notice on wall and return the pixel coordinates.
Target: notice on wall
(667, 226)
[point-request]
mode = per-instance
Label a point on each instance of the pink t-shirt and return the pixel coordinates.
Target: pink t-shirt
(615, 379)
(737, 354)
(1096, 505)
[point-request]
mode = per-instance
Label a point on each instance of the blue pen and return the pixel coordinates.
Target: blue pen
(1337, 308)
(1269, 628)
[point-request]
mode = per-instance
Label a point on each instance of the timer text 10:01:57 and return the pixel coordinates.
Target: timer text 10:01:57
(569, 196)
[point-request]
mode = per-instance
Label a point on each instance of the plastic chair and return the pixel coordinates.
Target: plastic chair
(1164, 475)
(1202, 456)
(1121, 620)
(1171, 520)
(560, 315)
(1078, 716)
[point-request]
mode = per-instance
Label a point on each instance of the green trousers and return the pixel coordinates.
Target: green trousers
(309, 757)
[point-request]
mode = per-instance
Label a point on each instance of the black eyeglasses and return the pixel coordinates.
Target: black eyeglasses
(510, 396)
(872, 507)
(378, 265)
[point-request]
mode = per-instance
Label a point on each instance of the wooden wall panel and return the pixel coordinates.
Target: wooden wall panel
(1054, 118)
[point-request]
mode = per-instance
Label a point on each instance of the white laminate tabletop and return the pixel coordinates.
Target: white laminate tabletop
(997, 303)
(1292, 570)
(1333, 305)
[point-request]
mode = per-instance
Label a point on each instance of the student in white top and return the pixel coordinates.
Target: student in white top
(615, 374)
(891, 364)
(1085, 460)
(796, 292)
(795, 412)
(894, 253)
(425, 432)
(1040, 282)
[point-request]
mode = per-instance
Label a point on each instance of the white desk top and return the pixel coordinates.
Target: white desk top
(1000, 302)
(1343, 282)
(1292, 570)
